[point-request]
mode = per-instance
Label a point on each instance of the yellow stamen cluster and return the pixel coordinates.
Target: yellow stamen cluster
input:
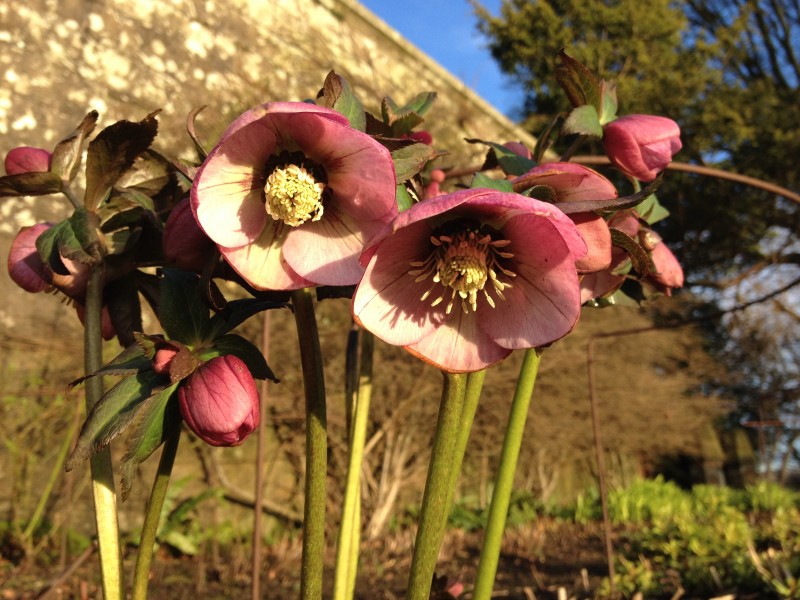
(293, 196)
(464, 262)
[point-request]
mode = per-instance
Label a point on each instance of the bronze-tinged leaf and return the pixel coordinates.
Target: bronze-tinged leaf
(639, 258)
(113, 152)
(579, 83)
(30, 184)
(66, 160)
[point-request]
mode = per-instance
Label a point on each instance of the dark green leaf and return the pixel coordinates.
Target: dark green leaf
(128, 362)
(67, 154)
(113, 152)
(74, 238)
(112, 414)
(583, 120)
(240, 347)
(419, 104)
(122, 300)
(388, 109)
(337, 94)
(182, 310)
(405, 124)
(404, 200)
(30, 184)
(542, 192)
(639, 258)
(158, 417)
(482, 181)
(578, 82)
(411, 159)
(237, 312)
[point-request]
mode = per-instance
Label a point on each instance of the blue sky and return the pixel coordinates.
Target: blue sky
(447, 31)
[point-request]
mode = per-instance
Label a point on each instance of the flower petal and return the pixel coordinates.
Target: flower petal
(595, 232)
(25, 266)
(27, 159)
(571, 182)
(262, 264)
(544, 303)
(227, 195)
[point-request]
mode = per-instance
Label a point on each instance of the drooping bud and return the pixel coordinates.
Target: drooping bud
(641, 145)
(27, 159)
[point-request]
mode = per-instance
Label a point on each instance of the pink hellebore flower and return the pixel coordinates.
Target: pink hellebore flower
(463, 279)
(185, 244)
(291, 193)
(576, 183)
(641, 145)
(27, 270)
(27, 159)
(219, 401)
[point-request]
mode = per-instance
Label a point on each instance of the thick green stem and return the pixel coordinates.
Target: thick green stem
(437, 489)
(473, 395)
(153, 515)
(350, 528)
(316, 446)
(103, 491)
(498, 511)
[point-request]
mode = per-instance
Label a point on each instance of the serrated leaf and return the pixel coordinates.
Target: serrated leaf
(113, 152)
(479, 180)
(579, 83)
(404, 124)
(237, 312)
(66, 159)
(182, 311)
(388, 109)
(337, 94)
(511, 163)
(241, 348)
(74, 238)
(583, 120)
(419, 104)
(128, 362)
(404, 200)
(30, 184)
(410, 160)
(112, 414)
(651, 210)
(638, 255)
(157, 418)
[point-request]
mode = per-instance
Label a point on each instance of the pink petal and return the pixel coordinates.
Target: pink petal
(668, 270)
(25, 267)
(544, 303)
(387, 299)
(327, 251)
(227, 194)
(595, 232)
(641, 145)
(185, 244)
(27, 159)
(459, 345)
(262, 264)
(259, 112)
(597, 285)
(571, 182)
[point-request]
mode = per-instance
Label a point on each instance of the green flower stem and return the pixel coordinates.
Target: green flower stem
(58, 467)
(103, 491)
(437, 488)
(473, 395)
(152, 515)
(316, 446)
(73, 199)
(498, 511)
(350, 528)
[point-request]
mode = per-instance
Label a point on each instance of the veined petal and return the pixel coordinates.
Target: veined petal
(459, 345)
(227, 195)
(261, 263)
(387, 300)
(271, 108)
(543, 303)
(327, 251)
(571, 182)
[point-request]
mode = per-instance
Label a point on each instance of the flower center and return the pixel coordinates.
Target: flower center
(293, 195)
(462, 263)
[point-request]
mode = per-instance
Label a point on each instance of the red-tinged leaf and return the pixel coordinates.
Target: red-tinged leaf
(113, 152)
(500, 156)
(337, 94)
(578, 82)
(66, 160)
(30, 184)
(410, 160)
(639, 258)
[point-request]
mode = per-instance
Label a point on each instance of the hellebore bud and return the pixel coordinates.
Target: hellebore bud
(219, 401)
(27, 159)
(641, 145)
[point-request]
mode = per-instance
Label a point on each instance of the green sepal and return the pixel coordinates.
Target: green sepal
(237, 312)
(74, 238)
(241, 348)
(583, 120)
(651, 210)
(113, 413)
(479, 180)
(404, 200)
(579, 83)
(500, 156)
(411, 159)
(37, 183)
(182, 311)
(638, 255)
(158, 417)
(113, 152)
(66, 159)
(337, 94)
